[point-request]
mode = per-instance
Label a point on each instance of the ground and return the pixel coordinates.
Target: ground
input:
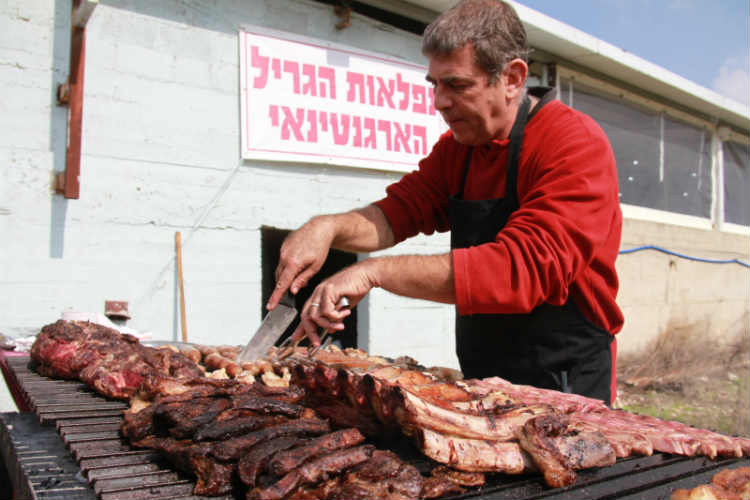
(681, 377)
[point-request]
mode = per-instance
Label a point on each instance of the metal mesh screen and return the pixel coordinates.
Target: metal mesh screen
(736, 183)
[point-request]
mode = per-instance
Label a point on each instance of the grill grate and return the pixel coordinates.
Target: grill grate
(71, 448)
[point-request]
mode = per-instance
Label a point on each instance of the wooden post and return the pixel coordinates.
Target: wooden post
(178, 247)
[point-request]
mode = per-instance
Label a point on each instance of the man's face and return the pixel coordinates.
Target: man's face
(475, 110)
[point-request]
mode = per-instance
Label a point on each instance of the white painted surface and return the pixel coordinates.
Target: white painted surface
(161, 154)
(161, 148)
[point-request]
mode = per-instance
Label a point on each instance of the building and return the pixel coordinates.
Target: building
(164, 148)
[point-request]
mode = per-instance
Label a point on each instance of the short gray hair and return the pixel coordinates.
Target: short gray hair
(491, 26)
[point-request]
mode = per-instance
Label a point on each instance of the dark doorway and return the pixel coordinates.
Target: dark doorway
(271, 239)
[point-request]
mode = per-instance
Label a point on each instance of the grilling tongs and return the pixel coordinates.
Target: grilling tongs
(287, 348)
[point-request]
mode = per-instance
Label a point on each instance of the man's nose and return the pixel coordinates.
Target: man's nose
(442, 101)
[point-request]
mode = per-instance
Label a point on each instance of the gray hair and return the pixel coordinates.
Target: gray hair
(491, 26)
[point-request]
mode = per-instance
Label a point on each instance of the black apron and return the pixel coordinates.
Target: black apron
(552, 347)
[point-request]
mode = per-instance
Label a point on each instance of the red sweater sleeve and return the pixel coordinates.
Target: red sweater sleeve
(418, 203)
(564, 238)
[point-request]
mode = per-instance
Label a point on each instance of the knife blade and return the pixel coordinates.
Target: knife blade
(272, 327)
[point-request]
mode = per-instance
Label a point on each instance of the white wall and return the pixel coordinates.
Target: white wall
(161, 154)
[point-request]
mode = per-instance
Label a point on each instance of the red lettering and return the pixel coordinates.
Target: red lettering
(357, 124)
(323, 117)
(260, 62)
(308, 70)
(273, 113)
(371, 140)
(325, 73)
(385, 126)
(385, 93)
(305, 125)
(276, 68)
(420, 131)
(401, 137)
(420, 99)
(371, 89)
(292, 123)
(355, 80)
(403, 88)
(312, 132)
(292, 68)
(340, 138)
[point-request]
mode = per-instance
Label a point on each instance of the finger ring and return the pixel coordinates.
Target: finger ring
(314, 304)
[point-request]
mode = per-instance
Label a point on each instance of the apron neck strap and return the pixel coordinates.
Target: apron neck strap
(514, 149)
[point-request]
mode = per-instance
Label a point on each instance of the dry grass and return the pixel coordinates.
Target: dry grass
(684, 376)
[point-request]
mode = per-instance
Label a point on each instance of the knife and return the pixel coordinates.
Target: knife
(273, 327)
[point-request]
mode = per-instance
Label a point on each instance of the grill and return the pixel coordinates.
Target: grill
(68, 447)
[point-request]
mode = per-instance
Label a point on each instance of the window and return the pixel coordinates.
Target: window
(736, 183)
(634, 135)
(687, 169)
(662, 163)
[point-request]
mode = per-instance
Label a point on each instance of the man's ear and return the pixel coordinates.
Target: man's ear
(515, 75)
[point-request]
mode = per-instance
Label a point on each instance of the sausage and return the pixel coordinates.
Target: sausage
(216, 361)
(229, 351)
(192, 353)
(205, 350)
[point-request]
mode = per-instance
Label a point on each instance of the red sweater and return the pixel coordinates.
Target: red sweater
(564, 238)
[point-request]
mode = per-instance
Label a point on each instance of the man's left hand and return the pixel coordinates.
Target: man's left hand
(322, 308)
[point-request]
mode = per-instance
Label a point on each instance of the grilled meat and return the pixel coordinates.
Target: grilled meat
(557, 449)
(285, 461)
(384, 475)
(254, 462)
(313, 471)
(112, 363)
(234, 448)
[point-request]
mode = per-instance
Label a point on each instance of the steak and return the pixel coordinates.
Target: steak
(459, 477)
(313, 471)
(285, 461)
(384, 476)
(557, 450)
(265, 404)
(233, 449)
(253, 463)
(183, 420)
(237, 426)
(214, 478)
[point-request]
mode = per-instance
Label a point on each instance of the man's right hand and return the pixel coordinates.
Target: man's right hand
(302, 255)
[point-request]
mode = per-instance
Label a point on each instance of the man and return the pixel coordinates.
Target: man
(528, 189)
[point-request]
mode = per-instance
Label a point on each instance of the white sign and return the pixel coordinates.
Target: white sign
(309, 101)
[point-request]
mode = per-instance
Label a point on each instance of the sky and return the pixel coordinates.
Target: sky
(706, 41)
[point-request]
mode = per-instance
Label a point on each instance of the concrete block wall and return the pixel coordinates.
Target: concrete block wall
(161, 154)
(660, 292)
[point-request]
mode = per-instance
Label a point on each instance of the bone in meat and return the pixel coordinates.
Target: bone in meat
(474, 455)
